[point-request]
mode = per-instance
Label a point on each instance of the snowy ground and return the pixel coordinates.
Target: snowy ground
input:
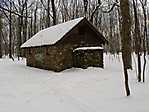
(26, 89)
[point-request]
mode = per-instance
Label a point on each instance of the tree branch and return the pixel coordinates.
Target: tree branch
(111, 9)
(2, 8)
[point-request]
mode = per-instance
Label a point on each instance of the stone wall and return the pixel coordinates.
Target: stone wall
(88, 58)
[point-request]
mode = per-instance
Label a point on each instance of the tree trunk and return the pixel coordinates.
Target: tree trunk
(145, 38)
(25, 24)
(10, 31)
(35, 19)
(85, 6)
(126, 31)
(31, 27)
(54, 12)
(137, 40)
(126, 40)
(48, 14)
(125, 74)
(18, 37)
(0, 36)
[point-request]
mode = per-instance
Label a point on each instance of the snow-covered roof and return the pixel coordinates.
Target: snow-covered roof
(52, 34)
(87, 48)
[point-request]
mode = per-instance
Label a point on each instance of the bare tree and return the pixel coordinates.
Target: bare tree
(144, 6)
(10, 30)
(137, 36)
(21, 9)
(99, 6)
(1, 35)
(35, 19)
(85, 6)
(54, 12)
(125, 35)
(25, 21)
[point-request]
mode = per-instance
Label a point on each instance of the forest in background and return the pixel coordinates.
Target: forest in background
(21, 19)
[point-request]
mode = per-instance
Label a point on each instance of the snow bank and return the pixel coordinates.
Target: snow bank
(27, 89)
